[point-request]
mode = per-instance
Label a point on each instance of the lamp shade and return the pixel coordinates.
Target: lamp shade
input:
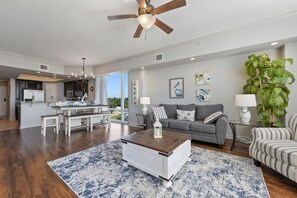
(145, 100)
(245, 100)
(146, 20)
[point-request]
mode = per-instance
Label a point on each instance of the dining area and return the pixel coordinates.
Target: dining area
(64, 116)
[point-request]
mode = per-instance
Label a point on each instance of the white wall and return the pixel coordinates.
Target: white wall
(138, 75)
(291, 52)
(91, 94)
(227, 79)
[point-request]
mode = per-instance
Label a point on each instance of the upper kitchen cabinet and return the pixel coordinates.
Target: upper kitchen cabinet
(75, 88)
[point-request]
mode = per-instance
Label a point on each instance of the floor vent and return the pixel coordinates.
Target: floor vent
(43, 67)
(159, 57)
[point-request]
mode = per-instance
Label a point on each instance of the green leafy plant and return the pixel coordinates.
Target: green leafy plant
(268, 80)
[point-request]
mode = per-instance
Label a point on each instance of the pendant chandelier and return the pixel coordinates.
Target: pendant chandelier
(83, 75)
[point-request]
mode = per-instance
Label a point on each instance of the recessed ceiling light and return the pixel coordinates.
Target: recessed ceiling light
(111, 73)
(192, 58)
(141, 67)
(274, 43)
(38, 72)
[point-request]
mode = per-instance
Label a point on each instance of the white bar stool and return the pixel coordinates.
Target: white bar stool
(55, 123)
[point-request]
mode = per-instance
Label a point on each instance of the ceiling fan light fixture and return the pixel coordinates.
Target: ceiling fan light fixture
(146, 20)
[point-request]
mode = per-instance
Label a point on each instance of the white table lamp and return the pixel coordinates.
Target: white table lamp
(145, 101)
(244, 101)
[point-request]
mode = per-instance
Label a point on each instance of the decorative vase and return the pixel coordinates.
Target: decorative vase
(157, 129)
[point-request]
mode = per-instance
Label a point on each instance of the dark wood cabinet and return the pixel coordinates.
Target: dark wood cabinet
(75, 88)
(20, 85)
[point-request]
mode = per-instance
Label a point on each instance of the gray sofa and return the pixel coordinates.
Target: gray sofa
(213, 133)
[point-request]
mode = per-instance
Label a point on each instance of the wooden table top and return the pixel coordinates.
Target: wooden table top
(167, 144)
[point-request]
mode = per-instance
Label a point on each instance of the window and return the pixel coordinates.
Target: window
(117, 93)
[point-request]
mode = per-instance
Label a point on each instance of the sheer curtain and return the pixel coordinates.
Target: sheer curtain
(101, 90)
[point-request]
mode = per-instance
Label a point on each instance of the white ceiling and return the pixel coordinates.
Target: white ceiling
(63, 31)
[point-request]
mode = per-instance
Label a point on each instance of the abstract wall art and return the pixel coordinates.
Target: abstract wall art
(202, 78)
(203, 95)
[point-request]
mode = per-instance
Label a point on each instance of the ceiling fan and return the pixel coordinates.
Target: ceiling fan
(146, 15)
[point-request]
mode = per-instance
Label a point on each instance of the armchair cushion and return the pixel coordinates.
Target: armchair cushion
(293, 126)
(271, 134)
(284, 151)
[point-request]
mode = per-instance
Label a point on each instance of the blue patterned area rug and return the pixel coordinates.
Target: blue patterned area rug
(98, 172)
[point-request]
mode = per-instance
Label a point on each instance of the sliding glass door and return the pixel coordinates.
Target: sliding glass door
(117, 93)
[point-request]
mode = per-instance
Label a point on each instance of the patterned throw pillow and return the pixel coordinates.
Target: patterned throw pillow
(185, 115)
(213, 117)
(159, 112)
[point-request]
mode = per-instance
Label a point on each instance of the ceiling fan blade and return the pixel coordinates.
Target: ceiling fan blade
(170, 6)
(141, 3)
(138, 31)
(124, 16)
(163, 26)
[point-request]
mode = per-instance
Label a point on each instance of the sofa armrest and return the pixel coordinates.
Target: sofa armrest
(149, 119)
(221, 128)
(268, 134)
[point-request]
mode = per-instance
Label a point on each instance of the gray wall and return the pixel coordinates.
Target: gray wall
(227, 79)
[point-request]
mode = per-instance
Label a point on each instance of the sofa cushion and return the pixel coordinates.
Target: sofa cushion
(189, 107)
(170, 110)
(179, 124)
(199, 126)
(165, 122)
(213, 117)
(282, 150)
(185, 115)
(202, 111)
(159, 112)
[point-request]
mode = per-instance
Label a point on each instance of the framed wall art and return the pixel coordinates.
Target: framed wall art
(202, 78)
(203, 95)
(176, 88)
(134, 88)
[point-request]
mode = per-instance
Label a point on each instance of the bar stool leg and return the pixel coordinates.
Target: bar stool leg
(44, 127)
(69, 127)
(57, 124)
(42, 120)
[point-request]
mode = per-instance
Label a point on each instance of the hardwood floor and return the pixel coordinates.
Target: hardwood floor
(8, 125)
(25, 173)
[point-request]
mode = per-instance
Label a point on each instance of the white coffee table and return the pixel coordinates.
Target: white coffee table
(161, 157)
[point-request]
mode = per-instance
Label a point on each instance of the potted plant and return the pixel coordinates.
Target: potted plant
(268, 80)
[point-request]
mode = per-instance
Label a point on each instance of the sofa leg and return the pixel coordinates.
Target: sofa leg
(257, 163)
(220, 146)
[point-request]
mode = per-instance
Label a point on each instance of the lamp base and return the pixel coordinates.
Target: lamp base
(144, 110)
(245, 115)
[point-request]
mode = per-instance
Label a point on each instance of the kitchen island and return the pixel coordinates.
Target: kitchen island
(31, 112)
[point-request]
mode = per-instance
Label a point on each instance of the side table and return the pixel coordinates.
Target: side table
(141, 120)
(233, 124)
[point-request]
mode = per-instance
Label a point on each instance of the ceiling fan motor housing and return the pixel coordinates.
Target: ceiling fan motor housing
(148, 10)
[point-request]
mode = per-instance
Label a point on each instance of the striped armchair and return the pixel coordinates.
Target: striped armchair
(276, 148)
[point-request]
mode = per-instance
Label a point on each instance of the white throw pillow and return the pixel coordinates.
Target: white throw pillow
(159, 112)
(213, 117)
(185, 115)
